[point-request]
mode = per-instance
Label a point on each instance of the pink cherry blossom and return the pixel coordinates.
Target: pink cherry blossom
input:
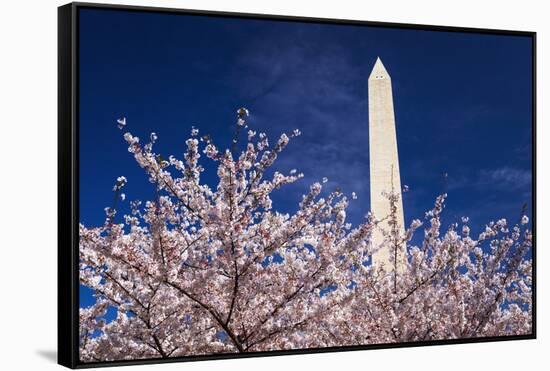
(203, 270)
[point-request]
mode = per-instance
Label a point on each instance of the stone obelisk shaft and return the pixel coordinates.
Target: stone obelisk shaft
(384, 168)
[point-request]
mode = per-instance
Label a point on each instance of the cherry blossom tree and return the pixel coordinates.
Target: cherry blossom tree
(201, 270)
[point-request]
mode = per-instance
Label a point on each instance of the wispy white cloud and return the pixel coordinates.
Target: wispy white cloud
(320, 92)
(505, 178)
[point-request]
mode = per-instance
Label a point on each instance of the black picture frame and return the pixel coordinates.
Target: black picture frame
(68, 181)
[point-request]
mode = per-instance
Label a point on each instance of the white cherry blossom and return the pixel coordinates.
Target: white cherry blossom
(206, 269)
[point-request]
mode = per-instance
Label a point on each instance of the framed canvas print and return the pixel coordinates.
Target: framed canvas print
(236, 185)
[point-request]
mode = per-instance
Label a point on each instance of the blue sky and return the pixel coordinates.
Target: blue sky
(462, 104)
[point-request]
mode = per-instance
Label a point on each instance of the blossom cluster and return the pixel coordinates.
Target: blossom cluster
(203, 270)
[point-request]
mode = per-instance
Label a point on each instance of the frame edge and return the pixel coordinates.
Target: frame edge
(67, 259)
(68, 276)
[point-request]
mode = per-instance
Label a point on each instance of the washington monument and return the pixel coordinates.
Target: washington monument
(384, 169)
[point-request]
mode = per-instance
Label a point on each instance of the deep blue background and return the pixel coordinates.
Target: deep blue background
(462, 105)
